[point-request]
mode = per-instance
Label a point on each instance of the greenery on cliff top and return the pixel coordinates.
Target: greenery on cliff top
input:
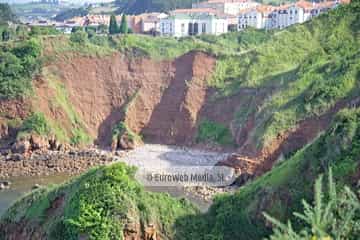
(304, 69)
(280, 191)
(98, 205)
(19, 61)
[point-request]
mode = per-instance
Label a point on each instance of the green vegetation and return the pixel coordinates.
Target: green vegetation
(6, 14)
(121, 129)
(18, 63)
(213, 132)
(43, 30)
(239, 216)
(335, 215)
(306, 68)
(99, 205)
(123, 25)
(35, 123)
(113, 26)
(77, 134)
(79, 37)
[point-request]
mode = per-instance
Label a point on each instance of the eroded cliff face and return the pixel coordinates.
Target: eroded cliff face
(163, 101)
(160, 100)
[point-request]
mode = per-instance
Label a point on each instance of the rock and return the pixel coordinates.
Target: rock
(127, 143)
(54, 144)
(7, 183)
(36, 186)
(4, 130)
(16, 157)
(39, 143)
(5, 152)
(22, 146)
(4, 185)
(114, 144)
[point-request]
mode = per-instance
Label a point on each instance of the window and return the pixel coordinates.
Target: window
(190, 29)
(183, 28)
(196, 28)
(203, 28)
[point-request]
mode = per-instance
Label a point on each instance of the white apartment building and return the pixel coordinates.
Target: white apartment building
(283, 16)
(232, 7)
(255, 17)
(287, 15)
(189, 22)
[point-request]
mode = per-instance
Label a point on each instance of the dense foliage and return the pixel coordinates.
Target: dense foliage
(304, 71)
(99, 205)
(213, 132)
(334, 215)
(18, 63)
(35, 123)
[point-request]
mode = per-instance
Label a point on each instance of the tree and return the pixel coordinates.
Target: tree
(5, 35)
(123, 25)
(333, 216)
(113, 27)
(21, 32)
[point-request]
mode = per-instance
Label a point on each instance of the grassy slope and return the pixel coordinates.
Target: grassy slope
(306, 69)
(280, 191)
(98, 205)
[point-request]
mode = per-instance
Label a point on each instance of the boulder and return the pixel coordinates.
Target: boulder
(54, 144)
(4, 130)
(126, 142)
(39, 143)
(16, 157)
(114, 144)
(21, 146)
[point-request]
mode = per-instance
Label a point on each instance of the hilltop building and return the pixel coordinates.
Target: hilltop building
(196, 21)
(150, 23)
(256, 17)
(269, 17)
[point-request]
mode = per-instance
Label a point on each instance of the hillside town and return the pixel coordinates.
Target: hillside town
(213, 17)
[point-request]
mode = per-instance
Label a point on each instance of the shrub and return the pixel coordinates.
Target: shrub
(17, 66)
(36, 123)
(335, 215)
(79, 37)
(213, 132)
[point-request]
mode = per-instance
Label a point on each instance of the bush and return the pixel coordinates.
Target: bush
(17, 67)
(36, 123)
(79, 37)
(332, 216)
(213, 132)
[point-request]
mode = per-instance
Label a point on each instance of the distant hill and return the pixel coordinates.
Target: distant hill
(140, 6)
(67, 14)
(6, 13)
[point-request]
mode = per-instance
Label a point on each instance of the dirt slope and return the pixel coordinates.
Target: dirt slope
(164, 101)
(158, 99)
